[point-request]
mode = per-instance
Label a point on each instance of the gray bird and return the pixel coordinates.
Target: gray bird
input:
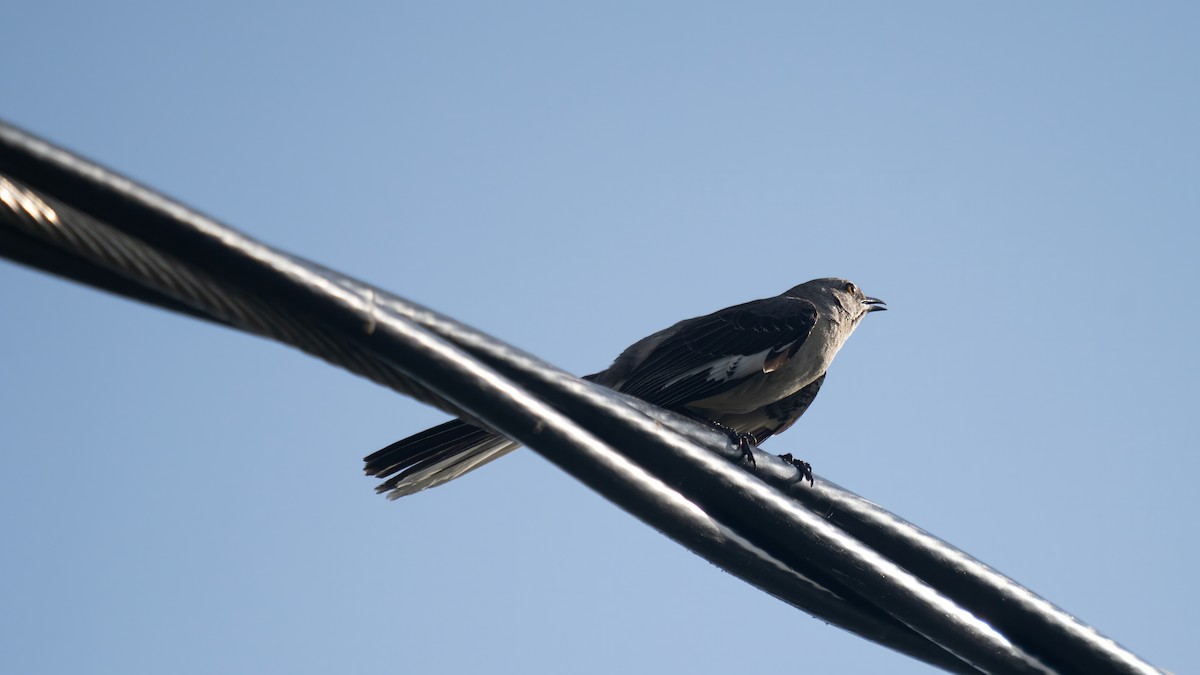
(751, 370)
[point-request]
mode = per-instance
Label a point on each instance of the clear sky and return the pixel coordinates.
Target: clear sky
(1021, 184)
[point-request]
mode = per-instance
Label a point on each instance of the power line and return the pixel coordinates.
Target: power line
(822, 549)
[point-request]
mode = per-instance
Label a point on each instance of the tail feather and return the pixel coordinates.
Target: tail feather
(404, 453)
(434, 456)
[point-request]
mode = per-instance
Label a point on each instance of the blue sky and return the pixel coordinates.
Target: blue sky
(1018, 182)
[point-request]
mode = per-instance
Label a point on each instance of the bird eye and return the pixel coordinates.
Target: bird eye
(851, 288)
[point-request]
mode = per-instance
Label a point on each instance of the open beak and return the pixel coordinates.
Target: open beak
(876, 305)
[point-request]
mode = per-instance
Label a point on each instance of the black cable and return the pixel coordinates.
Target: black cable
(710, 538)
(90, 237)
(751, 530)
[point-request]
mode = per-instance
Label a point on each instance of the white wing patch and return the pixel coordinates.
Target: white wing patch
(732, 367)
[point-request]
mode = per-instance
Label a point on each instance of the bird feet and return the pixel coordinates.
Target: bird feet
(745, 443)
(804, 467)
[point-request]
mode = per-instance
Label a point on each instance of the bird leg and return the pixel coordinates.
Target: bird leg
(744, 442)
(748, 442)
(804, 467)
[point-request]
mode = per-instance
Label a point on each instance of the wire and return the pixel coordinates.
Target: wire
(822, 549)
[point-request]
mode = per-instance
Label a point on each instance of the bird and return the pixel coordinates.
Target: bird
(750, 370)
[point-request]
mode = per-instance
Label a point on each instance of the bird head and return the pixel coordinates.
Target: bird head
(844, 295)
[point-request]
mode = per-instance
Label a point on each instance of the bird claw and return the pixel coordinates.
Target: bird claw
(745, 443)
(804, 467)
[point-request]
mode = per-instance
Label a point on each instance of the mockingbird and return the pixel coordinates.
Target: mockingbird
(751, 370)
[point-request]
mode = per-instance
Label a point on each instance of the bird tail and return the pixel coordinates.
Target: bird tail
(434, 456)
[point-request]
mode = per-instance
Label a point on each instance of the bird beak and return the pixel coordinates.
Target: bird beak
(876, 305)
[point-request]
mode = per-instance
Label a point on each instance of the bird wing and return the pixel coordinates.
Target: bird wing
(712, 354)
